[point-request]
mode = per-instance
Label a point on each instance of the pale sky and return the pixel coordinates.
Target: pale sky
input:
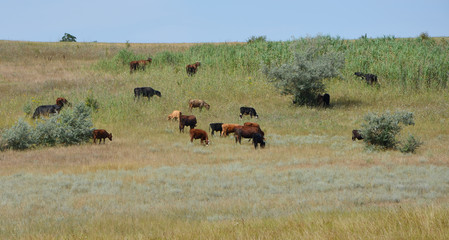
(176, 21)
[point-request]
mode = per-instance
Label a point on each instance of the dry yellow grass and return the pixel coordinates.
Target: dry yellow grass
(310, 182)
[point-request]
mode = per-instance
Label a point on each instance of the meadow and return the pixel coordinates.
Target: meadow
(310, 182)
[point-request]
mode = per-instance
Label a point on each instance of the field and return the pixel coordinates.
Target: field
(310, 182)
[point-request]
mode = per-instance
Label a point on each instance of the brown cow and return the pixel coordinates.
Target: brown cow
(246, 132)
(174, 115)
(187, 120)
(197, 103)
(199, 134)
(192, 68)
(139, 64)
(101, 134)
(251, 124)
(228, 128)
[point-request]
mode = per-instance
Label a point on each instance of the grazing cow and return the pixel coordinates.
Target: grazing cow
(368, 77)
(228, 128)
(215, 127)
(199, 134)
(196, 103)
(187, 120)
(356, 135)
(248, 111)
(101, 134)
(246, 132)
(174, 115)
(145, 92)
(46, 110)
(251, 124)
(323, 100)
(140, 64)
(191, 69)
(258, 139)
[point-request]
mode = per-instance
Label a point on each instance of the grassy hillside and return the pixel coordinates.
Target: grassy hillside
(311, 181)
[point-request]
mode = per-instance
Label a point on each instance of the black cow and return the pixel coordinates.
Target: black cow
(145, 92)
(215, 127)
(356, 135)
(46, 110)
(323, 100)
(258, 139)
(368, 77)
(248, 111)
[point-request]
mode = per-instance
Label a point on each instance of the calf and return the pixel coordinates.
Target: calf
(215, 127)
(323, 100)
(140, 64)
(101, 134)
(356, 135)
(248, 111)
(46, 110)
(145, 92)
(191, 69)
(228, 128)
(246, 132)
(197, 103)
(368, 77)
(187, 120)
(174, 115)
(199, 134)
(258, 139)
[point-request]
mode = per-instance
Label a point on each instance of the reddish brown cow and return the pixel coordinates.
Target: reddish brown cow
(187, 120)
(199, 134)
(246, 132)
(139, 64)
(101, 134)
(192, 68)
(251, 124)
(228, 128)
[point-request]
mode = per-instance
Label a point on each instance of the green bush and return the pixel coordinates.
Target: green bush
(92, 103)
(68, 38)
(254, 39)
(303, 77)
(71, 126)
(411, 144)
(19, 136)
(380, 131)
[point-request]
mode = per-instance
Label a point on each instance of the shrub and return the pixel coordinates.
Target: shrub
(254, 39)
(411, 144)
(380, 130)
(19, 136)
(92, 103)
(303, 77)
(71, 126)
(27, 108)
(424, 36)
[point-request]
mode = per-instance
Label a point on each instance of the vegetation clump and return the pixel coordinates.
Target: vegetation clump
(72, 126)
(380, 131)
(303, 77)
(68, 38)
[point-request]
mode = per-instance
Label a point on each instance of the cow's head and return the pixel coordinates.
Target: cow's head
(62, 101)
(110, 136)
(207, 106)
(157, 93)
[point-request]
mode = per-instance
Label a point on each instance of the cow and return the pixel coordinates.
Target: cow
(139, 64)
(368, 77)
(191, 69)
(356, 134)
(258, 139)
(174, 115)
(46, 110)
(323, 100)
(248, 111)
(197, 103)
(215, 127)
(199, 134)
(145, 92)
(246, 132)
(228, 128)
(251, 124)
(101, 134)
(187, 120)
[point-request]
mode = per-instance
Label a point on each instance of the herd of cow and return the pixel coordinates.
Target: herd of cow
(249, 130)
